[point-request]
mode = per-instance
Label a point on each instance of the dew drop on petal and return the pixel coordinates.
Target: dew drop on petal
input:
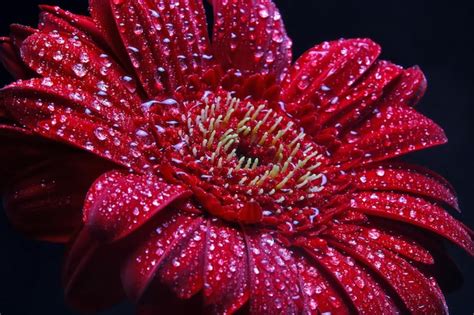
(79, 70)
(100, 134)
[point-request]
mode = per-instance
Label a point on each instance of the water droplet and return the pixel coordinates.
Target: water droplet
(79, 70)
(168, 102)
(374, 234)
(304, 83)
(47, 82)
(100, 133)
(263, 12)
(138, 30)
(58, 56)
(84, 57)
(141, 133)
(133, 53)
(359, 282)
(380, 173)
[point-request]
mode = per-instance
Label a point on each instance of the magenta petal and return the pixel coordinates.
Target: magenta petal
(119, 203)
(409, 89)
(182, 270)
(60, 109)
(27, 100)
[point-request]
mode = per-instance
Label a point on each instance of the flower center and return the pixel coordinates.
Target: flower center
(243, 153)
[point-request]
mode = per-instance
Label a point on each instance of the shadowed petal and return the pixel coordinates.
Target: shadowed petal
(45, 202)
(20, 147)
(10, 59)
(91, 274)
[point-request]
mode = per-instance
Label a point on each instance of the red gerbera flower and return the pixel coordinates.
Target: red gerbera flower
(215, 174)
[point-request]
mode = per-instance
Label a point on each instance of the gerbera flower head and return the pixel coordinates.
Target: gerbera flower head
(215, 175)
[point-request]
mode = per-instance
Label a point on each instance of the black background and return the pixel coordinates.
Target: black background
(437, 35)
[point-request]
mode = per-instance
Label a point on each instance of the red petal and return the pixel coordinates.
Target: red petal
(101, 13)
(405, 178)
(250, 36)
(141, 267)
(68, 56)
(415, 290)
(320, 294)
(360, 100)
(393, 241)
(56, 19)
(49, 112)
(365, 293)
(273, 275)
(45, 201)
(416, 211)
(390, 132)
(166, 42)
(91, 274)
(118, 204)
(409, 89)
(182, 270)
(226, 270)
(324, 73)
(68, 95)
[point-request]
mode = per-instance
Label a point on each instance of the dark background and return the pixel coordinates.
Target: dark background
(437, 35)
